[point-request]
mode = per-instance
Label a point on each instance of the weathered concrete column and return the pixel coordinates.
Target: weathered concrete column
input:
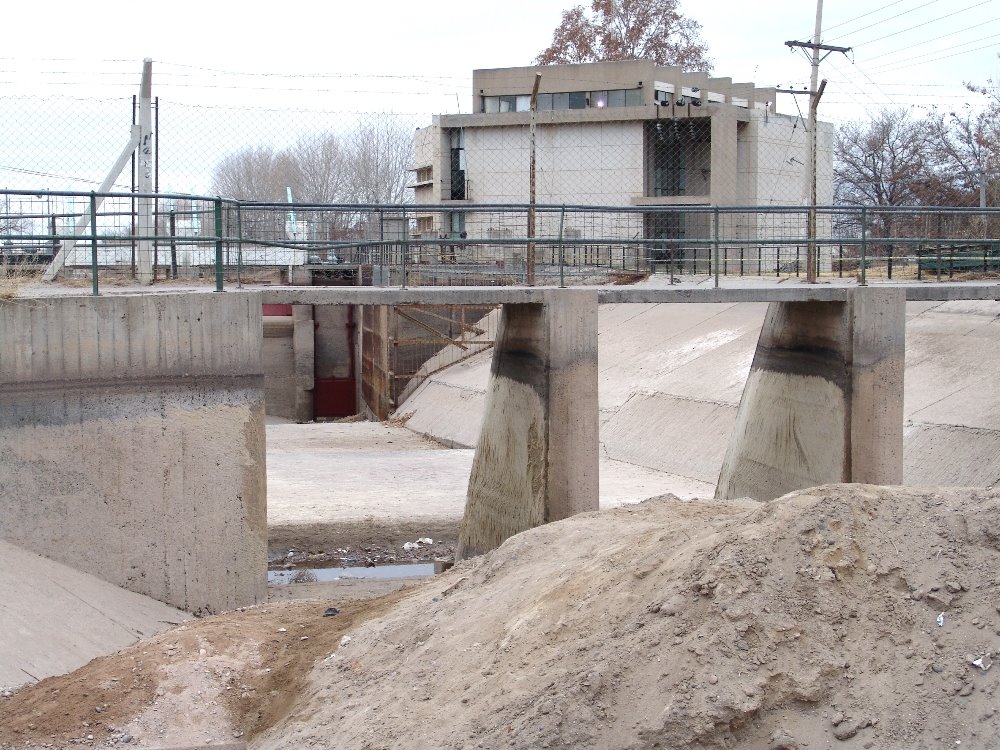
(304, 351)
(537, 456)
(824, 400)
(132, 442)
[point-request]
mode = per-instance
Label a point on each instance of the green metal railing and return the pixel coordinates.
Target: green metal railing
(220, 240)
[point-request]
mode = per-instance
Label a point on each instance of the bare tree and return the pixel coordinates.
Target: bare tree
(883, 161)
(256, 173)
(318, 169)
(380, 154)
(962, 157)
(628, 30)
(887, 161)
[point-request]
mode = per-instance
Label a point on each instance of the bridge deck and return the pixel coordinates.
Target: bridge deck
(478, 295)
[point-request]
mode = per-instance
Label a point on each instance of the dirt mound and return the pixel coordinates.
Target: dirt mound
(207, 682)
(842, 616)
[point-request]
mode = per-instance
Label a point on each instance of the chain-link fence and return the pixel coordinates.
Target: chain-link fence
(603, 172)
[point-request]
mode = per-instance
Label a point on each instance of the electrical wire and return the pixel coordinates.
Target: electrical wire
(920, 25)
(884, 20)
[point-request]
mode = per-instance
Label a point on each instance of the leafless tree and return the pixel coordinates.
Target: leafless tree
(628, 30)
(257, 173)
(380, 154)
(881, 162)
(318, 169)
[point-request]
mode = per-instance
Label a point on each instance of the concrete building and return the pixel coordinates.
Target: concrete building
(630, 134)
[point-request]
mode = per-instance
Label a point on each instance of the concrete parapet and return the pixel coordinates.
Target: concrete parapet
(132, 442)
(537, 455)
(824, 399)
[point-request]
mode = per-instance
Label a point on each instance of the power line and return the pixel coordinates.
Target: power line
(889, 68)
(936, 38)
(925, 23)
(863, 15)
(884, 20)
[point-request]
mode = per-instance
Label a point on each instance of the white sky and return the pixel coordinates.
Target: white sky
(413, 57)
(907, 52)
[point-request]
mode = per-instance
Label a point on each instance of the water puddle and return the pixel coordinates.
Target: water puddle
(310, 575)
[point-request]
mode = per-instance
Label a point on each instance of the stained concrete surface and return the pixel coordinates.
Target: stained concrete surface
(54, 619)
(338, 483)
(671, 378)
(131, 442)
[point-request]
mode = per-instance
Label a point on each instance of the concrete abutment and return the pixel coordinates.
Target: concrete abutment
(132, 442)
(824, 399)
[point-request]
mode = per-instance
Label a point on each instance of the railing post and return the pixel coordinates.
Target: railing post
(715, 243)
(562, 250)
(93, 244)
(173, 244)
(218, 244)
(864, 244)
(405, 246)
(239, 245)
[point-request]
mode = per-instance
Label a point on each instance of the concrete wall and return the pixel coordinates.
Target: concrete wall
(132, 442)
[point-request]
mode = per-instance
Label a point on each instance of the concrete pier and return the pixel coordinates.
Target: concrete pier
(132, 442)
(824, 399)
(537, 455)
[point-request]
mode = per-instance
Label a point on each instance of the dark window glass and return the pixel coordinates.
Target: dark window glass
(577, 99)
(616, 98)
(544, 102)
(599, 99)
(508, 103)
(633, 97)
(560, 101)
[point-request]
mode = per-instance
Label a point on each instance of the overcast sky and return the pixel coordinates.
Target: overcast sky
(62, 63)
(906, 52)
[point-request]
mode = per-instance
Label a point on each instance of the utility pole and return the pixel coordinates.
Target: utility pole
(531, 185)
(815, 92)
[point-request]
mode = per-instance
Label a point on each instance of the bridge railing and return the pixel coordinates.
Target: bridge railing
(89, 237)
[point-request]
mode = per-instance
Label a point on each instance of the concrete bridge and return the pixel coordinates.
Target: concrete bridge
(131, 430)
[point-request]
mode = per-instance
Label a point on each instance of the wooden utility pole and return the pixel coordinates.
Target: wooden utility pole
(815, 92)
(531, 185)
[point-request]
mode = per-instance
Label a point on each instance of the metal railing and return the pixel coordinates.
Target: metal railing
(93, 236)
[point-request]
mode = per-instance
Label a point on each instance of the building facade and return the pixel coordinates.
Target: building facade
(618, 134)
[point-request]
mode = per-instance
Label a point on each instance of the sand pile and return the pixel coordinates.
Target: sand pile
(842, 616)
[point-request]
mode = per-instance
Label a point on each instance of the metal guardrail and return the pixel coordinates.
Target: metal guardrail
(89, 235)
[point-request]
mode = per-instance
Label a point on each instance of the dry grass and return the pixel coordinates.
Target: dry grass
(13, 280)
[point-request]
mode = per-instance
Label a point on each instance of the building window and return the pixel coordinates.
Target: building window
(678, 157)
(564, 100)
(425, 174)
(456, 140)
(456, 225)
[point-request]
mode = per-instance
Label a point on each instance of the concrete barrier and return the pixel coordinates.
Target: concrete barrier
(132, 442)
(536, 460)
(824, 400)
